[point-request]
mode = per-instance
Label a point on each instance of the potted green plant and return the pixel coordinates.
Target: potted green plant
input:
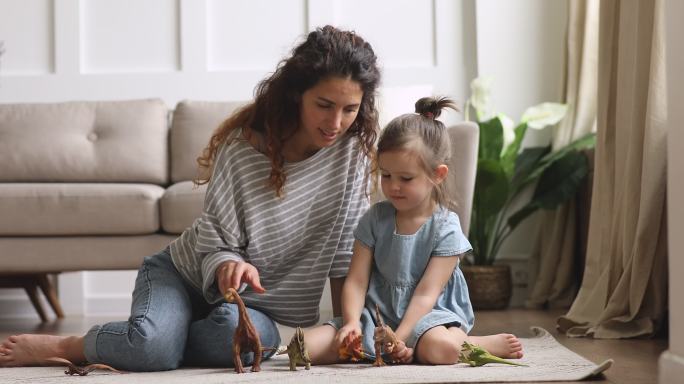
(504, 172)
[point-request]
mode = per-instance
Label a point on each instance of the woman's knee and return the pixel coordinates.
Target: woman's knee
(227, 315)
(155, 349)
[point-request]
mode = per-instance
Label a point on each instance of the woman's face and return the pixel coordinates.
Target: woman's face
(327, 111)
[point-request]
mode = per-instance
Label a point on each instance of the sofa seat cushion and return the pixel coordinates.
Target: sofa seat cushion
(181, 204)
(51, 209)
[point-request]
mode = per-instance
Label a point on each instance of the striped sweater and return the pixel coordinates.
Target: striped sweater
(295, 243)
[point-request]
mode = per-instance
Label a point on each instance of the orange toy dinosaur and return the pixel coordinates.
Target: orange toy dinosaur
(351, 349)
(246, 336)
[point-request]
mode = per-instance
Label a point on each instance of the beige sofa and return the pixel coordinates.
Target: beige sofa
(100, 185)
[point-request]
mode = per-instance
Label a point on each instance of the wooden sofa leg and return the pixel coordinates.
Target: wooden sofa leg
(50, 293)
(31, 288)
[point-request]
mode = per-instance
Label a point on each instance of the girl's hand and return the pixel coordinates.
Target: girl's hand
(402, 354)
(347, 333)
(231, 274)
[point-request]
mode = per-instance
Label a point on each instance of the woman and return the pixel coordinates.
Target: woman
(287, 181)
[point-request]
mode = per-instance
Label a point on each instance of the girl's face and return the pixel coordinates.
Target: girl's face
(405, 183)
(327, 111)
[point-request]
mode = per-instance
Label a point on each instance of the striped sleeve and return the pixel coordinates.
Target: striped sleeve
(358, 205)
(218, 240)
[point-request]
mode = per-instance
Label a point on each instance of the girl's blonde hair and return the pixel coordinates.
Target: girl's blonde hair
(425, 136)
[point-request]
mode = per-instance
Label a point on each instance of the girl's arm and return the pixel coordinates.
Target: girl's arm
(355, 287)
(431, 285)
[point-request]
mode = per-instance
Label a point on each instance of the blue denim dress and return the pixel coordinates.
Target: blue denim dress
(399, 262)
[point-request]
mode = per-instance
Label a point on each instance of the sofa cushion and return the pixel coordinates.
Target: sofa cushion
(50, 209)
(181, 204)
(114, 141)
(77, 253)
(193, 124)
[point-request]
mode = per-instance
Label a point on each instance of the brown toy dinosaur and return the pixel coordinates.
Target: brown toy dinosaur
(73, 369)
(246, 336)
(384, 337)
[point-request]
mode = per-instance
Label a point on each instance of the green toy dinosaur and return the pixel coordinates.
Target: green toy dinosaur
(297, 351)
(477, 356)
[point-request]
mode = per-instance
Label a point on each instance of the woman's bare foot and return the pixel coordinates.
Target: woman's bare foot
(502, 345)
(31, 350)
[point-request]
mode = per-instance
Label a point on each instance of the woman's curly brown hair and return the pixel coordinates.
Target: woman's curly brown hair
(274, 114)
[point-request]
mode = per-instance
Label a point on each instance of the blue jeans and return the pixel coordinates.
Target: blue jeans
(171, 325)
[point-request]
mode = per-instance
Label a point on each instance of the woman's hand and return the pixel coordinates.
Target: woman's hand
(231, 274)
(401, 353)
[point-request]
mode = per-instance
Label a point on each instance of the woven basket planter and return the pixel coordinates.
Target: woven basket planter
(489, 286)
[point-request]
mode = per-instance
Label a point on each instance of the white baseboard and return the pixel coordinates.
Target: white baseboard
(670, 368)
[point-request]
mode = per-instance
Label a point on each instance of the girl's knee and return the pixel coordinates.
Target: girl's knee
(438, 347)
(442, 352)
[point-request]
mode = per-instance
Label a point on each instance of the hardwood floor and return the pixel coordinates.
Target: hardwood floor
(636, 361)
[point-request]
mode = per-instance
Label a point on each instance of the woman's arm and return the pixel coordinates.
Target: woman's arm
(431, 285)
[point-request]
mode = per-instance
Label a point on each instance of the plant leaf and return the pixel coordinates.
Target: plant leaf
(480, 91)
(527, 162)
(560, 180)
(521, 214)
(584, 142)
(491, 139)
(510, 153)
(557, 184)
(491, 193)
(544, 114)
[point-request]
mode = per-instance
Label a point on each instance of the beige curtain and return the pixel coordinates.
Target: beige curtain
(553, 282)
(624, 289)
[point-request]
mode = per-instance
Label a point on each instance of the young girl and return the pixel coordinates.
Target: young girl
(407, 252)
(287, 183)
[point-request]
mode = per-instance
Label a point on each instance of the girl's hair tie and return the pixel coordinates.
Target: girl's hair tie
(429, 115)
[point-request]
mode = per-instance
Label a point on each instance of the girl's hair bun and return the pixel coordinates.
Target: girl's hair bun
(431, 107)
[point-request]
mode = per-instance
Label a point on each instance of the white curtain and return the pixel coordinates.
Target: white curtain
(624, 288)
(553, 281)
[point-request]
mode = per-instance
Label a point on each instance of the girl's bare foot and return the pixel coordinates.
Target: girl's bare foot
(31, 350)
(502, 345)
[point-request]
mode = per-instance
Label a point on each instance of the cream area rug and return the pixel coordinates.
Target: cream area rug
(547, 360)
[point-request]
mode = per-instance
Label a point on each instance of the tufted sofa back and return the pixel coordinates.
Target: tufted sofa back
(111, 141)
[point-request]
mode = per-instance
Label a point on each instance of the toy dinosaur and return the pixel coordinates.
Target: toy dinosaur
(351, 349)
(73, 369)
(477, 356)
(384, 337)
(246, 336)
(297, 351)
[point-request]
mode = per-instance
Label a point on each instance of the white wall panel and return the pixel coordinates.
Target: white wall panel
(252, 34)
(27, 33)
(403, 31)
(129, 36)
